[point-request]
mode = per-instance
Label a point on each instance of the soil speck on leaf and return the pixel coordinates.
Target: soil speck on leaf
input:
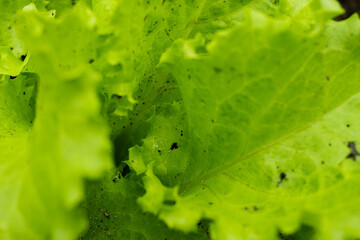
(282, 178)
(354, 153)
(174, 146)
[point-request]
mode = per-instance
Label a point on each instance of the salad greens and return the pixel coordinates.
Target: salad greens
(179, 119)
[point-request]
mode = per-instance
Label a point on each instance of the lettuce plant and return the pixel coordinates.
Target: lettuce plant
(179, 119)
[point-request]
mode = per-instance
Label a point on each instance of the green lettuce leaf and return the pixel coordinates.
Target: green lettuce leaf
(243, 103)
(43, 160)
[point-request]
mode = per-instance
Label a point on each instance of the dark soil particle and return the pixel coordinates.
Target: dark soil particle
(174, 146)
(354, 153)
(282, 176)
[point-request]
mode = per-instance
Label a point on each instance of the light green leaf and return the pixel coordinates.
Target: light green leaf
(260, 97)
(247, 99)
(44, 159)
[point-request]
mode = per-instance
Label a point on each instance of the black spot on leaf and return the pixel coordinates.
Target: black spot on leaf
(282, 178)
(174, 146)
(353, 152)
